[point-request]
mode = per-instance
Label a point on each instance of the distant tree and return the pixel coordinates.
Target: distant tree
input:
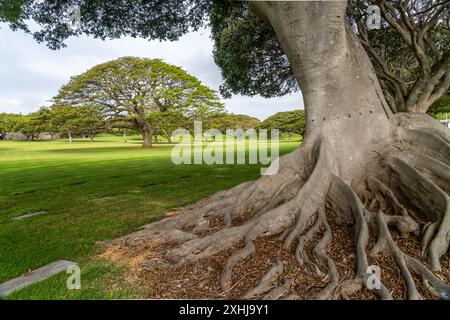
(171, 121)
(440, 108)
(64, 120)
(25, 125)
(90, 121)
(235, 121)
(290, 122)
(71, 120)
(133, 93)
(33, 124)
(208, 117)
(3, 125)
(8, 123)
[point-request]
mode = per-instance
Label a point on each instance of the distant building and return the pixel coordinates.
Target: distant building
(48, 136)
(17, 136)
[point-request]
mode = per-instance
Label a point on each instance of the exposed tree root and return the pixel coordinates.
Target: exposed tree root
(280, 291)
(350, 201)
(267, 281)
(385, 242)
(403, 190)
(319, 251)
(426, 197)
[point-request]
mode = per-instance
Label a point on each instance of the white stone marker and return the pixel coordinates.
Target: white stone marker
(34, 277)
(40, 213)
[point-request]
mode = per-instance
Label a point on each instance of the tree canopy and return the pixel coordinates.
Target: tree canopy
(7, 122)
(74, 120)
(31, 125)
(134, 93)
(225, 121)
(11, 11)
(290, 122)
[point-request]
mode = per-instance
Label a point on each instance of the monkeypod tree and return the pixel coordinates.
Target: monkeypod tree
(74, 120)
(386, 175)
(226, 121)
(290, 122)
(31, 125)
(170, 121)
(134, 93)
(7, 122)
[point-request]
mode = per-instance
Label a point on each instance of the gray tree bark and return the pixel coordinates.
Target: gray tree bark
(147, 136)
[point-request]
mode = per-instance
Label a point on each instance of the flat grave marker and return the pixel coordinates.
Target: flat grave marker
(34, 276)
(29, 215)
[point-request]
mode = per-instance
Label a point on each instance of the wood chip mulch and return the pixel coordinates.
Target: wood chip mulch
(200, 279)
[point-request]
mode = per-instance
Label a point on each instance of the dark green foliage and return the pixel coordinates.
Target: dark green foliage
(165, 20)
(30, 125)
(248, 53)
(10, 10)
(290, 122)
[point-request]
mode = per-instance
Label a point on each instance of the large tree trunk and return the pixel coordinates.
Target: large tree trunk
(147, 136)
(344, 103)
(358, 164)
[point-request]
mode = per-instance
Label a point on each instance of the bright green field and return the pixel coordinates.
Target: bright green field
(63, 179)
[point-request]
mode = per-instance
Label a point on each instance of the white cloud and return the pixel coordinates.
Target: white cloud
(30, 73)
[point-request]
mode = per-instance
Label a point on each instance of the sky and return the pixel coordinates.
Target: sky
(31, 74)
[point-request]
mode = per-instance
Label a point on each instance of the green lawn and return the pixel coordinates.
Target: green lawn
(137, 185)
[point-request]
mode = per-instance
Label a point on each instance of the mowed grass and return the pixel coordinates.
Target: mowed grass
(92, 191)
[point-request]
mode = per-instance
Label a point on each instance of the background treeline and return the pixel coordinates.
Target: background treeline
(69, 122)
(133, 95)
